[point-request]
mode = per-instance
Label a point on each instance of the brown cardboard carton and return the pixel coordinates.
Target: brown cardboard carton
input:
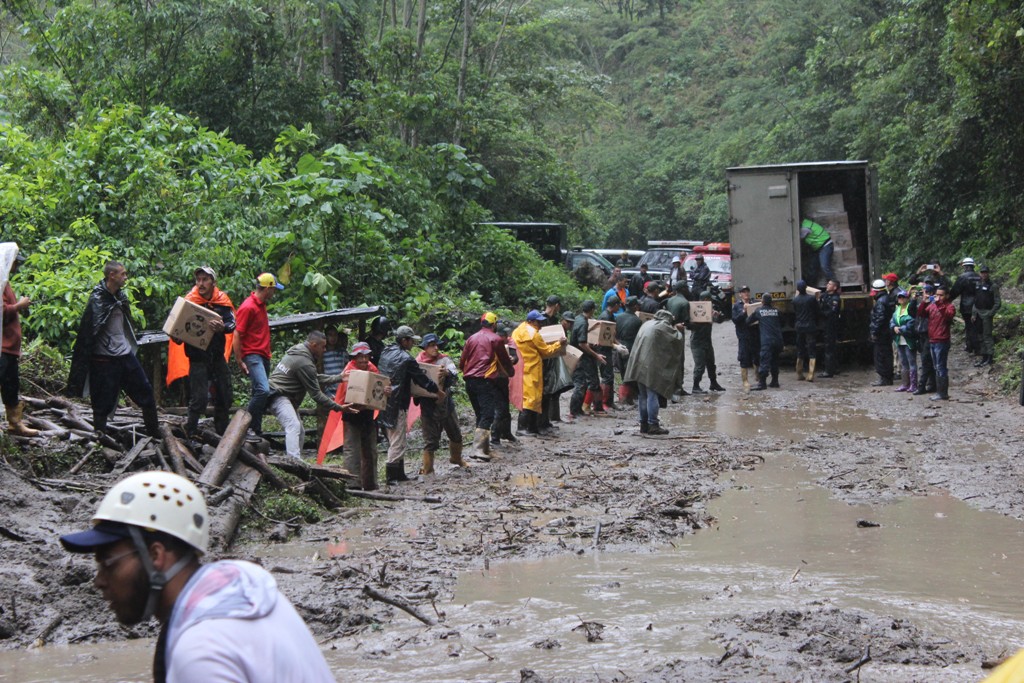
(572, 358)
(844, 257)
(849, 275)
(644, 316)
(367, 389)
(823, 204)
(813, 290)
(552, 333)
(701, 312)
(434, 373)
(842, 240)
(750, 308)
(601, 333)
(190, 323)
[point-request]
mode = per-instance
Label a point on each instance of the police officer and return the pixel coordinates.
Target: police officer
(607, 371)
(703, 353)
(747, 341)
(679, 306)
(769, 321)
(830, 306)
(650, 302)
(965, 287)
(587, 383)
(881, 334)
(986, 303)
(805, 310)
(701, 277)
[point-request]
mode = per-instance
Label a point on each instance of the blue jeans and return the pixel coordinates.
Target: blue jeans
(908, 361)
(259, 373)
(825, 259)
(648, 404)
(940, 354)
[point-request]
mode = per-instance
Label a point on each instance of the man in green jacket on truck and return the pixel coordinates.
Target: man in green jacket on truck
(820, 242)
(291, 380)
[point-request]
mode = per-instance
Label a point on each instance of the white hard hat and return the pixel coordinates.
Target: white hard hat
(161, 501)
(968, 261)
(878, 284)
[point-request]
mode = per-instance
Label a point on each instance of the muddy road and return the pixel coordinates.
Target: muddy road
(781, 535)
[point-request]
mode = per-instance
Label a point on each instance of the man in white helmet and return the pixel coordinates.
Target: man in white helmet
(224, 621)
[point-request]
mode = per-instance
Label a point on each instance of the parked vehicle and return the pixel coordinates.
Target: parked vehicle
(577, 256)
(766, 207)
(658, 258)
(613, 255)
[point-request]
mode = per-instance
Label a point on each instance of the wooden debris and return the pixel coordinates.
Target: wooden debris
(400, 604)
(373, 495)
(224, 457)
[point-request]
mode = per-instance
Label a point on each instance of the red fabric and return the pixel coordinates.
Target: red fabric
(515, 384)
(12, 323)
(940, 318)
(334, 431)
(177, 361)
(253, 326)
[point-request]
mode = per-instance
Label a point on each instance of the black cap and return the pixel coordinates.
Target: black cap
(632, 300)
(568, 317)
(984, 269)
(554, 299)
(588, 305)
(744, 288)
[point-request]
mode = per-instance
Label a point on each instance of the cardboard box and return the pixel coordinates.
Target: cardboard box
(644, 316)
(701, 312)
(823, 204)
(552, 333)
(434, 373)
(844, 257)
(812, 290)
(367, 389)
(572, 358)
(601, 333)
(849, 275)
(750, 308)
(842, 240)
(190, 323)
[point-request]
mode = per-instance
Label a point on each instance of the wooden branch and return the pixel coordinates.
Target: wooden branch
(373, 495)
(130, 457)
(81, 463)
(175, 450)
(244, 480)
(400, 604)
(304, 470)
(224, 457)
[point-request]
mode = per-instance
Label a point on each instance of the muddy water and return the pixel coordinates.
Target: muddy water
(781, 542)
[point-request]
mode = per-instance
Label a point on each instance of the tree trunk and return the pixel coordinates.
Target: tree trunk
(227, 451)
(467, 32)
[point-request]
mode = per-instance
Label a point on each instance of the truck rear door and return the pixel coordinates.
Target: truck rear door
(764, 237)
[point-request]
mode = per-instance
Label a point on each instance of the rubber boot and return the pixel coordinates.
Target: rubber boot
(588, 399)
(428, 462)
(745, 376)
(713, 376)
(455, 454)
(904, 383)
(695, 389)
(624, 397)
(481, 444)
(15, 425)
(810, 372)
(608, 395)
(943, 389)
(761, 386)
(149, 418)
(598, 403)
(395, 471)
(774, 384)
(799, 369)
(913, 382)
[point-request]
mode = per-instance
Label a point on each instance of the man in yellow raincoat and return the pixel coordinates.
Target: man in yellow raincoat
(533, 350)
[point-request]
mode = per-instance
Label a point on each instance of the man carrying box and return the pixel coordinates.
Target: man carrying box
(484, 359)
(209, 365)
(820, 242)
(703, 351)
(403, 370)
(585, 378)
(438, 415)
(291, 380)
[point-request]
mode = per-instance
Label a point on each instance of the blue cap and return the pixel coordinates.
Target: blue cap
(902, 293)
(534, 316)
(429, 339)
(102, 534)
(801, 284)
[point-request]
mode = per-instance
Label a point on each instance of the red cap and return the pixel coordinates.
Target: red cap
(891, 277)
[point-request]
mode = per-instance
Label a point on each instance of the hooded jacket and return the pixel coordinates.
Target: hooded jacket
(97, 312)
(657, 352)
(296, 375)
(230, 623)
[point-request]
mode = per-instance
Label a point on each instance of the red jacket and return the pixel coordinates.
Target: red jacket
(253, 327)
(12, 323)
(479, 353)
(940, 319)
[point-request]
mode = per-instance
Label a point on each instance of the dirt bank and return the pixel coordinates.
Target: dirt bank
(598, 487)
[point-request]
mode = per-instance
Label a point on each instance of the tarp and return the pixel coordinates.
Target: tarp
(8, 252)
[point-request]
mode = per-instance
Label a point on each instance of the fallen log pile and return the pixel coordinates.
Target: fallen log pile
(227, 468)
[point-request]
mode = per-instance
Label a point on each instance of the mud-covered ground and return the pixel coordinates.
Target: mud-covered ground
(598, 486)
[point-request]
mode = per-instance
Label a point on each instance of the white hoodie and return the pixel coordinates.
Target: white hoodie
(231, 625)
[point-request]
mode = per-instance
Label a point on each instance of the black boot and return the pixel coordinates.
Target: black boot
(695, 389)
(922, 387)
(774, 384)
(760, 386)
(715, 386)
(149, 418)
(395, 471)
(882, 382)
(643, 428)
(943, 393)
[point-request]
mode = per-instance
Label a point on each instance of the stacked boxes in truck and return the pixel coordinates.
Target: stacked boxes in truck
(766, 207)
